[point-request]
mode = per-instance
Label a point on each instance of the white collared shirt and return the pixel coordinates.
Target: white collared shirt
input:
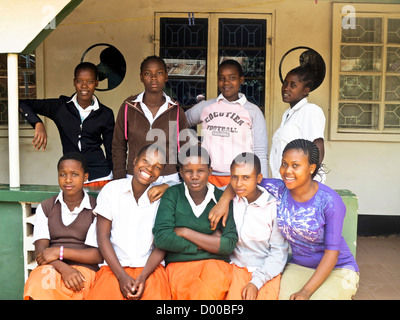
(132, 222)
(41, 230)
(304, 121)
(199, 209)
(242, 99)
(147, 111)
(85, 112)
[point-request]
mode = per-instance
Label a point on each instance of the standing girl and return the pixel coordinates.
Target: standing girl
(310, 216)
(230, 124)
(302, 120)
(145, 117)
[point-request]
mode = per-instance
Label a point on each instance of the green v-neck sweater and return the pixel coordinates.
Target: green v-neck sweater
(175, 211)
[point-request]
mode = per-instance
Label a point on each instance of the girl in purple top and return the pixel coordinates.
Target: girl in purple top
(310, 217)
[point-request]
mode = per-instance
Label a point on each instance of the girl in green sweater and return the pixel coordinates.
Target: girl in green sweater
(197, 257)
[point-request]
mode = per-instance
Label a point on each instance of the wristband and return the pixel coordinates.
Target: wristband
(61, 252)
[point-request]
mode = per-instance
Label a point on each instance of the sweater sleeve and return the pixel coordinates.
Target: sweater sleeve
(30, 109)
(107, 135)
(119, 146)
(229, 235)
(260, 138)
(164, 235)
(276, 260)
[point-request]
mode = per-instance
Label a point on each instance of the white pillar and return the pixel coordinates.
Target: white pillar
(13, 119)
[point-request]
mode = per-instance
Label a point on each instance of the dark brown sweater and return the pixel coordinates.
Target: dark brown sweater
(136, 126)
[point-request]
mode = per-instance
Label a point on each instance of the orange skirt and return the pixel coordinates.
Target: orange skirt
(241, 277)
(99, 184)
(106, 285)
(45, 283)
(199, 280)
(219, 181)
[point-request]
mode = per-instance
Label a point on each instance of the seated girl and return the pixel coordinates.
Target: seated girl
(197, 257)
(67, 264)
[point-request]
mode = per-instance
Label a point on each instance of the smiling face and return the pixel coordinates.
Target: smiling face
(148, 166)
(85, 84)
(294, 89)
(71, 177)
(154, 76)
(296, 171)
(244, 180)
(195, 173)
(229, 81)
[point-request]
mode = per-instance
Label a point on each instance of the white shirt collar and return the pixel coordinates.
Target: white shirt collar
(144, 198)
(242, 99)
(299, 104)
(94, 106)
(147, 111)
(198, 209)
(85, 203)
(262, 201)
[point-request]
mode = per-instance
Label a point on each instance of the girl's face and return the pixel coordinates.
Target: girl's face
(293, 89)
(296, 171)
(229, 82)
(148, 166)
(71, 176)
(154, 76)
(85, 84)
(195, 173)
(244, 181)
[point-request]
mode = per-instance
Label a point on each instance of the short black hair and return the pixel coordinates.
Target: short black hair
(153, 58)
(87, 66)
(152, 147)
(234, 63)
(77, 157)
(248, 158)
(194, 151)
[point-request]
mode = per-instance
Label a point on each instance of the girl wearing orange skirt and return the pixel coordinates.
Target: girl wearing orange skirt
(133, 268)
(66, 263)
(261, 251)
(197, 257)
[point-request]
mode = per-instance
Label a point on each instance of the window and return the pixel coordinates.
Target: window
(194, 45)
(366, 77)
(26, 83)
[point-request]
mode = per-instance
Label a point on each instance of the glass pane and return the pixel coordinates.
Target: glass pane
(392, 88)
(3, 112)
(392, 116)
(359, 87)
(393, 31)
(360, 58)
(185, 91)
(3, 84)
(358, 115)
(183, 47)
(26, 83)
(244, 40)
(393, 60)
(367, 30)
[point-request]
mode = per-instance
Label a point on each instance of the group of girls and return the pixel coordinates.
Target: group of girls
(155, 237)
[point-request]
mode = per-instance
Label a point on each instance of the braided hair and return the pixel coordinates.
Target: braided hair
(305, 75)
(309, 148)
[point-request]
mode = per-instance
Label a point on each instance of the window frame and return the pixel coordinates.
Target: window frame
(26, 130)
(385, 12)
(213, 49)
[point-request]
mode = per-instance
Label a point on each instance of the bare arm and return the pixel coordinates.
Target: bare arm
(221, 209)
